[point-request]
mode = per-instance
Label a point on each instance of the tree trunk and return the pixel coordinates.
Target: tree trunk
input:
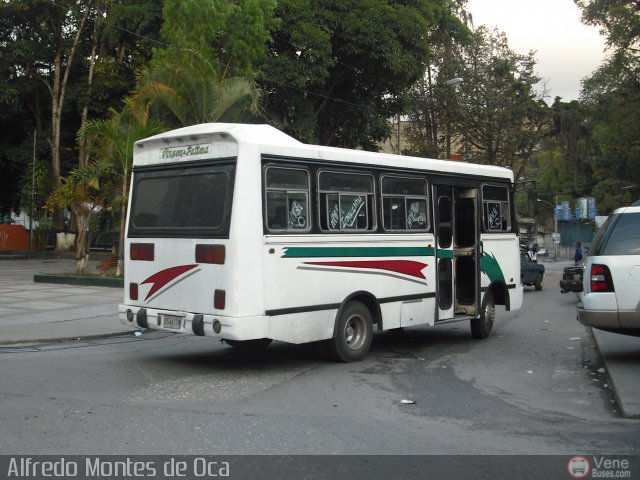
(83, 153)
(123, 222)
(82, 250)
(58, 90)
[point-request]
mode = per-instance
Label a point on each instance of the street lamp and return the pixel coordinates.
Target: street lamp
(450, 83)
(556, 240)
(453, 81)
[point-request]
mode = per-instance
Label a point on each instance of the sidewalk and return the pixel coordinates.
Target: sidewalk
(45, 312)
(42, 313)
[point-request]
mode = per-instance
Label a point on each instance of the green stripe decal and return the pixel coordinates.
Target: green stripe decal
(488, 263)
(490, 266)
(315, 252)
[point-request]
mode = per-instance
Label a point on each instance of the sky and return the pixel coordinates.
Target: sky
(566, 50)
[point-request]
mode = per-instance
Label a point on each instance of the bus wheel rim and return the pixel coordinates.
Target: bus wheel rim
(489, 313)
(354, 332)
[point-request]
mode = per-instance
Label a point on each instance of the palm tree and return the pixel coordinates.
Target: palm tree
(111, 154)
(193, 91)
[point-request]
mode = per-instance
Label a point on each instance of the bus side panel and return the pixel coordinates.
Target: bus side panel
(501, 262)
(315, 274)
(302, 327)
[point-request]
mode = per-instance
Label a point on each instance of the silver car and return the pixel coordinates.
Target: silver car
(611, 282)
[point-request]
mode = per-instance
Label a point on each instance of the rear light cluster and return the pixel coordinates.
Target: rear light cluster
(142, 251)
(210, 254)
(601, 279)
(219, 299)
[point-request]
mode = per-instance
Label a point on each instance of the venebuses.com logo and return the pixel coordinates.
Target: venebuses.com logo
(598, 467)
(579, 467)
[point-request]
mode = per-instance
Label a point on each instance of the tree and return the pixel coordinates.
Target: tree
(36, 41)
(500, 116)
(337, 70)
(432, 100)
(189, 90)
(614, 120)
(42, 39)
(111, 156)
(206, 72)
(234, 38)
(619, 21)
(611, 97)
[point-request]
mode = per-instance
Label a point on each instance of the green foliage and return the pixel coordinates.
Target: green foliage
(233, 37)
(112, 143)
(188, 89)
(619, 21)
(611, 97)
(37, 173)
(501, 118)
(31, 32)
(615, 123)
(336, 68)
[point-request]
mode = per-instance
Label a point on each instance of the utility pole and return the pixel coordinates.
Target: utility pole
(33, 193)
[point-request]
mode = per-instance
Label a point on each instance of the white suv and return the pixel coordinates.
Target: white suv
(611, 296)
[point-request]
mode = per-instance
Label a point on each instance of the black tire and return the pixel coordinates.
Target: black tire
(256, 344)
(538, 284)
(353, 334)
(481, 326)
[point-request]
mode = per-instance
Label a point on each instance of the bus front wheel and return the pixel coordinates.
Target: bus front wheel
(353, 335)
(481, 326)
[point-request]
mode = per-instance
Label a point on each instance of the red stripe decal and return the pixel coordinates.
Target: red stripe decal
(406, 267)
(161, 278)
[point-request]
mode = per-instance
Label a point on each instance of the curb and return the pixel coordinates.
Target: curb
(75, 280)
(40, 342)
(626, 411)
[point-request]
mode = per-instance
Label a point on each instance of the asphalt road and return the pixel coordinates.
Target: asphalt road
(532, 388)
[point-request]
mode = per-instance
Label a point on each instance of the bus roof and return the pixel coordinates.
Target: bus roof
(272, 141)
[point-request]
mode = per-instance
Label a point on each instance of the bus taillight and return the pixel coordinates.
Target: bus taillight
(210, 254)
(142, 251)
(133, 291)
(219, 299)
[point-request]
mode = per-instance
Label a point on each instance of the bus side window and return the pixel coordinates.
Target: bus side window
(404, 204)
(346, 201)
(287, 199)
(496, 209)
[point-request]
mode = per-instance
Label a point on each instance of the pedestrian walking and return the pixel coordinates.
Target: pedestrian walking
(578, 255)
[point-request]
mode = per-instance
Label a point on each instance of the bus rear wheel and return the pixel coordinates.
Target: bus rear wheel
(353, 334)
(481, 326)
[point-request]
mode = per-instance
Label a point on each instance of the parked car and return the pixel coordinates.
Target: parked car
(572, 279)
(531, 273)
(611, 297)
(543, 252)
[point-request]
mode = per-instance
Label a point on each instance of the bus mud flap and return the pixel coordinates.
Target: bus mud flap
(141, 318)
(197, 325)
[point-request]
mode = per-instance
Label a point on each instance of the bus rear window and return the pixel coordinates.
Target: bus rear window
(182, 202)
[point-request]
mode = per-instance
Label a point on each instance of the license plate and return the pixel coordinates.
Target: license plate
(171, 321)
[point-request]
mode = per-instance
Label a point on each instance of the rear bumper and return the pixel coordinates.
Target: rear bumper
(216, 326)
(605, 319)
